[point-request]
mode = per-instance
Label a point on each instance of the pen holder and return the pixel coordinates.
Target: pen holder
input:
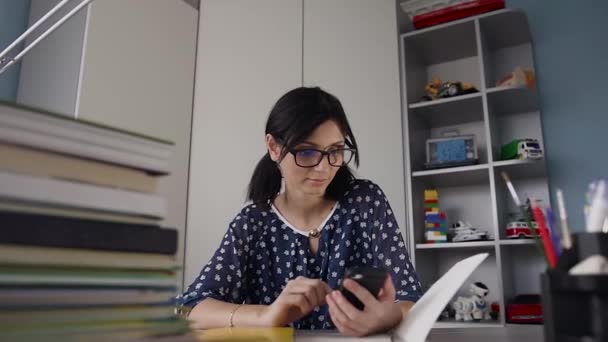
(575, 307)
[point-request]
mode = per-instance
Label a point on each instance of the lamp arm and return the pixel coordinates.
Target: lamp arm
(6, 62)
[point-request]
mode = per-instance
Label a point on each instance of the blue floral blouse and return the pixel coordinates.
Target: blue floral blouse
(261, 252)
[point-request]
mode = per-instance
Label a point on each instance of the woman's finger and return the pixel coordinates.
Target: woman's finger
(388, 290)
(309, 292)
(340, 320)
(321, 288)
(359, 319)
(345, 330)
(300, 302)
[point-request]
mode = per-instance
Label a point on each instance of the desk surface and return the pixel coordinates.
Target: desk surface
(512, 333)
(515, 333)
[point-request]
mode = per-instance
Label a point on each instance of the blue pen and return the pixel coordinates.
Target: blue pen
(554, 237)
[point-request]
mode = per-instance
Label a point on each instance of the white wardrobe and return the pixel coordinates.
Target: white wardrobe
(252, 52)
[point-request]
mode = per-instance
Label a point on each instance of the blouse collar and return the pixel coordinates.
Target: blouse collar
(299, 231)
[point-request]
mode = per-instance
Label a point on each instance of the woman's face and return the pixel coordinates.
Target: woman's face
(309, 181)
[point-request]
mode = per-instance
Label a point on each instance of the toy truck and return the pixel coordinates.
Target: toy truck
(521, 149)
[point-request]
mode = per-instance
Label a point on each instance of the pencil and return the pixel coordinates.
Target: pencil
(544, 234)
(550, 217)
(563, 217)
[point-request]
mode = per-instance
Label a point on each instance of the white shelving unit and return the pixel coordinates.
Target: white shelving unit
(478, 50)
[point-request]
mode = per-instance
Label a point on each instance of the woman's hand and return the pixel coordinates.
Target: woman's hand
(298, 299)
(379, 315)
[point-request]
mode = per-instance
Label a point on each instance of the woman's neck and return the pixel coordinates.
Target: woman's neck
(303, 209)
(303, 204)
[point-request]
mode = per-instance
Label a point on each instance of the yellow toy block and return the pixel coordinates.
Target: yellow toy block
(431, 194)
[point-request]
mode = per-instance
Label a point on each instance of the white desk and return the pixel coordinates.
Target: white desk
(515, 333)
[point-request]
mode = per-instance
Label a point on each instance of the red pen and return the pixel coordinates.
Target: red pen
(544, 234)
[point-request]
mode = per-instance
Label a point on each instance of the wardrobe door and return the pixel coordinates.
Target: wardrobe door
(351, 50)
(249, 54)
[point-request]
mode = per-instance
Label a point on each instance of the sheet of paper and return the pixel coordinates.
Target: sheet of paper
(421, 318)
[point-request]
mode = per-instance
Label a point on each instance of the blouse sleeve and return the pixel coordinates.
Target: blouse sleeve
(223, 276)
(390, 251)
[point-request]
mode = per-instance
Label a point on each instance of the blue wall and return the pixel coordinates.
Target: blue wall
(14, 16)
(571, 60)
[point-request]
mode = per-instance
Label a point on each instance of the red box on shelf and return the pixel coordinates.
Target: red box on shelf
(422, 19)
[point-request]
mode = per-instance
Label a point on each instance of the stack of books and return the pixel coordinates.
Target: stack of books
(82, 252)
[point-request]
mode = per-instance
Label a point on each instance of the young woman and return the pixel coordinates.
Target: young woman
(285, 255)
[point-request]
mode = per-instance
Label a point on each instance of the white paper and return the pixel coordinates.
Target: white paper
(416, 326)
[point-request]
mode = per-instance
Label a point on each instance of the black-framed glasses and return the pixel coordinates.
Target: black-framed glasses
(310, 157)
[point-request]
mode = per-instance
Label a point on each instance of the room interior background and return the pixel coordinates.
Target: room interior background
(134, 64)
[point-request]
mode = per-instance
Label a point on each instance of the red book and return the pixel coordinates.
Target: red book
(456, 12)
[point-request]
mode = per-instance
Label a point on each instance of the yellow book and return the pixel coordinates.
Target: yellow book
(246, 334)
(57, 256)
(40, 163)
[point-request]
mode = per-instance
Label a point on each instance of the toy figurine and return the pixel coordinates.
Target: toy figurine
(475, 307)
(518, 78)
(482, 307)
(463, 308)
(464, 231)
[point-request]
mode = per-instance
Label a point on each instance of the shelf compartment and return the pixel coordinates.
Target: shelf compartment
(421, 129)
(493, 29)
(462, 245)
(510, 100)
(449, 53)
(518, 169)
(471, 203)
(506, 128)
(525, 187)
(503, 50)
(443, 44)
(521, 270)
(431, 264)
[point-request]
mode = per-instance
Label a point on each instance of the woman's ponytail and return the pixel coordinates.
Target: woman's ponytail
(265, 183)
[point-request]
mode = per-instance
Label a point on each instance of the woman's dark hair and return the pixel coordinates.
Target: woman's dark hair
(293, 119)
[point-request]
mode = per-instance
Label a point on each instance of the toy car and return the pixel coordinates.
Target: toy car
(521, 149)
(462, 232)
(520, 229)
(438, 90)
(525, 309)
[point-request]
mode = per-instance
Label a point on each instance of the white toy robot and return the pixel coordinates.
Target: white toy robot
(475, 307)
(463, 308)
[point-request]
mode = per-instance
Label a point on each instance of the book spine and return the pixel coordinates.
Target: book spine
(82, 132)
(51, 231)
(78, 195)
(85, 150)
